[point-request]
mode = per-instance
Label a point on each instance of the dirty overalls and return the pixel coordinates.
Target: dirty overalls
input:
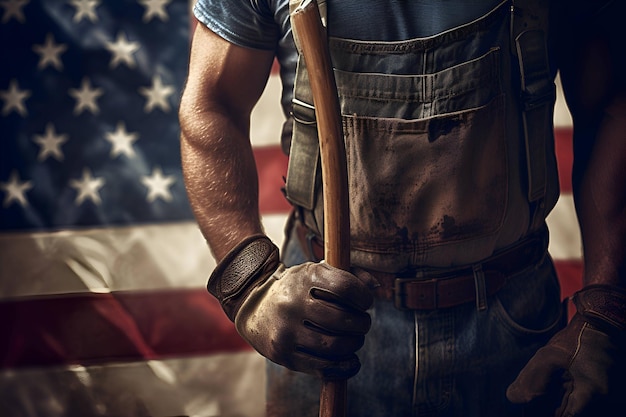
(451, 175)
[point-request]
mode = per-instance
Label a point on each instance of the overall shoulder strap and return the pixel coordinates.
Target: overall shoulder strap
(304, 171)
(529, 38)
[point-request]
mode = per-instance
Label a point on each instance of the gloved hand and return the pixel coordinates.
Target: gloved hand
(582, 367)
(310, 318)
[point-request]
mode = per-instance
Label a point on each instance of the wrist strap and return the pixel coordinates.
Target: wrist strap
(242, 269)
(603, 306)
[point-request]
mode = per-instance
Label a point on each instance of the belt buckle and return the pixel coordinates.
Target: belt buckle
(400, 293)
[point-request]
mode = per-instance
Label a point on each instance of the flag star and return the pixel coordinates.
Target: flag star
(14, 99)
(50, 144)
(87, 188)
(157, 95)
(13, 8)
(85, 8)
(122, 51)
(122, 141)
(155, 8)
(15, 190)
(158, 185)
(50, 53)
(86, 97)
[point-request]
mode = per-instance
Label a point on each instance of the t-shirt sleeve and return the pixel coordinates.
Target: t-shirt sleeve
(248, 23)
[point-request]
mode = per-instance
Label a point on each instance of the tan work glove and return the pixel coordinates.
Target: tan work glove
(582, 367)
(310, 318)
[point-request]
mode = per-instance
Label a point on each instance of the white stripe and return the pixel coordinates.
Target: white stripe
(225, 385)
(112, 259)
(266, 121)
(562, 117)
(565, 240)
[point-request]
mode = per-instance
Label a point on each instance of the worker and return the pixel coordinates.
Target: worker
(451, 306)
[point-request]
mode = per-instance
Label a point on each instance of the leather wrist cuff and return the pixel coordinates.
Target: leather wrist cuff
(242, 269)
(603, 306)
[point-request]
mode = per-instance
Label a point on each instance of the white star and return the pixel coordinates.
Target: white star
(157, 95)
(122, 141)
(15, 190)
(13, 8)
(14, 99)
(158, 185)
(85, 8)
(50, 53)
(122, 51)
(87, 188)
(86, 97)
(155, 8)
(50, 144)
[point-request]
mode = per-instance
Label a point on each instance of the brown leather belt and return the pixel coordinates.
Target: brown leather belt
(431, 289)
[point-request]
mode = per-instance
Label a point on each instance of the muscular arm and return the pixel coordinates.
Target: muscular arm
(224, 83)
(593, 74)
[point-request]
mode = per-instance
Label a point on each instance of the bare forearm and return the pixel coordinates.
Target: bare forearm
(592, 71)
(221, 179)
(218, 164)
(600, 195)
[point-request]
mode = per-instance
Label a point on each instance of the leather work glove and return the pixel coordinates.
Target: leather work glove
(310, 318)
(582, 367)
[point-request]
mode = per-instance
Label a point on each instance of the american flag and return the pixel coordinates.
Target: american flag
(90, 93)
(103, 304)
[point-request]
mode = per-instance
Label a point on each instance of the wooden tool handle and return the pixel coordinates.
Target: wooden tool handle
(314, 45)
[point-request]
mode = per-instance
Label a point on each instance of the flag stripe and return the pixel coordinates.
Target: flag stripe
(217, 385)
(126, 326)
(272, 167)
(119, 326)
(565, 156)
(570, 272)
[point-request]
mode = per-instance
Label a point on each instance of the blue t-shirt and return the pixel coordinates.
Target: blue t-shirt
(264, 24)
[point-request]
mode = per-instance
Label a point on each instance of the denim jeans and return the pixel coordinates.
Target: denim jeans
(447, 362)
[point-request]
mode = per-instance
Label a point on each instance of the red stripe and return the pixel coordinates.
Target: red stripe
(570, 273)
(272, 168)
(565, 157)
(123, 326)
(275, 67)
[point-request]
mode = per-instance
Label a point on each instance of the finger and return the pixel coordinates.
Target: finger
(334, 318)
(342, 287)
(326, 345)
(584, 400)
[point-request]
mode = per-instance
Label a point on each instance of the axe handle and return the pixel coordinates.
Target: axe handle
(314, 44)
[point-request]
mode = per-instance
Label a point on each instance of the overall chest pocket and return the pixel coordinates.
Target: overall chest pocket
(427, 156)
(415, 184)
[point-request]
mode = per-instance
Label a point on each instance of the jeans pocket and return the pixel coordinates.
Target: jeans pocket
(529, 305)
